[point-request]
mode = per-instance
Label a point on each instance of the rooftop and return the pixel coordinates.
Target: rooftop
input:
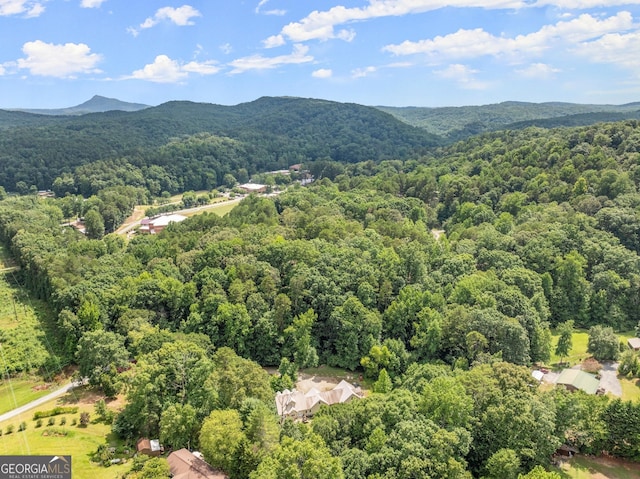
(579, 380)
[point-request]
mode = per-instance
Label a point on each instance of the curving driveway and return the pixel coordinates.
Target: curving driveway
(37, 402)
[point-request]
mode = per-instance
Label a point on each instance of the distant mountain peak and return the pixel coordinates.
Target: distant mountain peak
(97, 104)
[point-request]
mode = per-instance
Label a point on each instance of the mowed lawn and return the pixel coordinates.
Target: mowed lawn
(582, 467)
(580, 341)
(220, 208)
(578, 351)
(78, 442)
(18, 391)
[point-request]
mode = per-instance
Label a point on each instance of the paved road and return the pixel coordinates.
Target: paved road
(52, 395)
(609, 378)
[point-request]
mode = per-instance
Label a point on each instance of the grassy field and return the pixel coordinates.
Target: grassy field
(20, 391)
(578, 351)
(581, 467)
(630, 389)
(220, 206)
(67, 439)
(580, 341)
(27, 334)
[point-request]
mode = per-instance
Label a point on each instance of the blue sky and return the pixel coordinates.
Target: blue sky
(57, 53)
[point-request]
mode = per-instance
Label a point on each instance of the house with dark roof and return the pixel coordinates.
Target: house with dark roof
(186, 465)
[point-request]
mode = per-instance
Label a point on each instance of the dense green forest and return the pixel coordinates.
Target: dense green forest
(541, 230)
(180, 146)
(458, 123)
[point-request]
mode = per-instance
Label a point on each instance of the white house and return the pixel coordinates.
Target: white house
(297, 404)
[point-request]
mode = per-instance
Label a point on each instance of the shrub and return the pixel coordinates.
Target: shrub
(9, 428)
(56, 411)
(51, 421)
(84, 419)
(22, 426)
(74, 421)
(63, 420)
(39, 423)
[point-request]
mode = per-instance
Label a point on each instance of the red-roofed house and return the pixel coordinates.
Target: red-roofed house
(185, 465)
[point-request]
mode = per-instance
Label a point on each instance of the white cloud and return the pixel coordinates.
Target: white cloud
(259, 62)
(538, 70)
(203, 68)
(615, 48)
(322, 73)
(2, 70)
(273, 41)
(226, 48)
(476, 43)
(463, 76)
(165, 70)
(584, 4)
(91, 3)
(262, 3)
(181, 16)
(363, 72)
(319, 25)
(29, 8)
(60, 61)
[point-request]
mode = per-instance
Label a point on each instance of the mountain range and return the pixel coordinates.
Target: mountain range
(449, 123)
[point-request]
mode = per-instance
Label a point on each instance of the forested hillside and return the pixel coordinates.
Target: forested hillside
(459, 123)
(156, 143)
(541, 229)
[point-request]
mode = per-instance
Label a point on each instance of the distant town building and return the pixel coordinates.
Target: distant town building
(253, 187)
(156, 225)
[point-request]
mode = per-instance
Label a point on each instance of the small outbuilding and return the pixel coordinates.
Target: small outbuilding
(574, 379)
(186, 465)
(150, 447)
(634, 343)
(537, 375)
(566, 451)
